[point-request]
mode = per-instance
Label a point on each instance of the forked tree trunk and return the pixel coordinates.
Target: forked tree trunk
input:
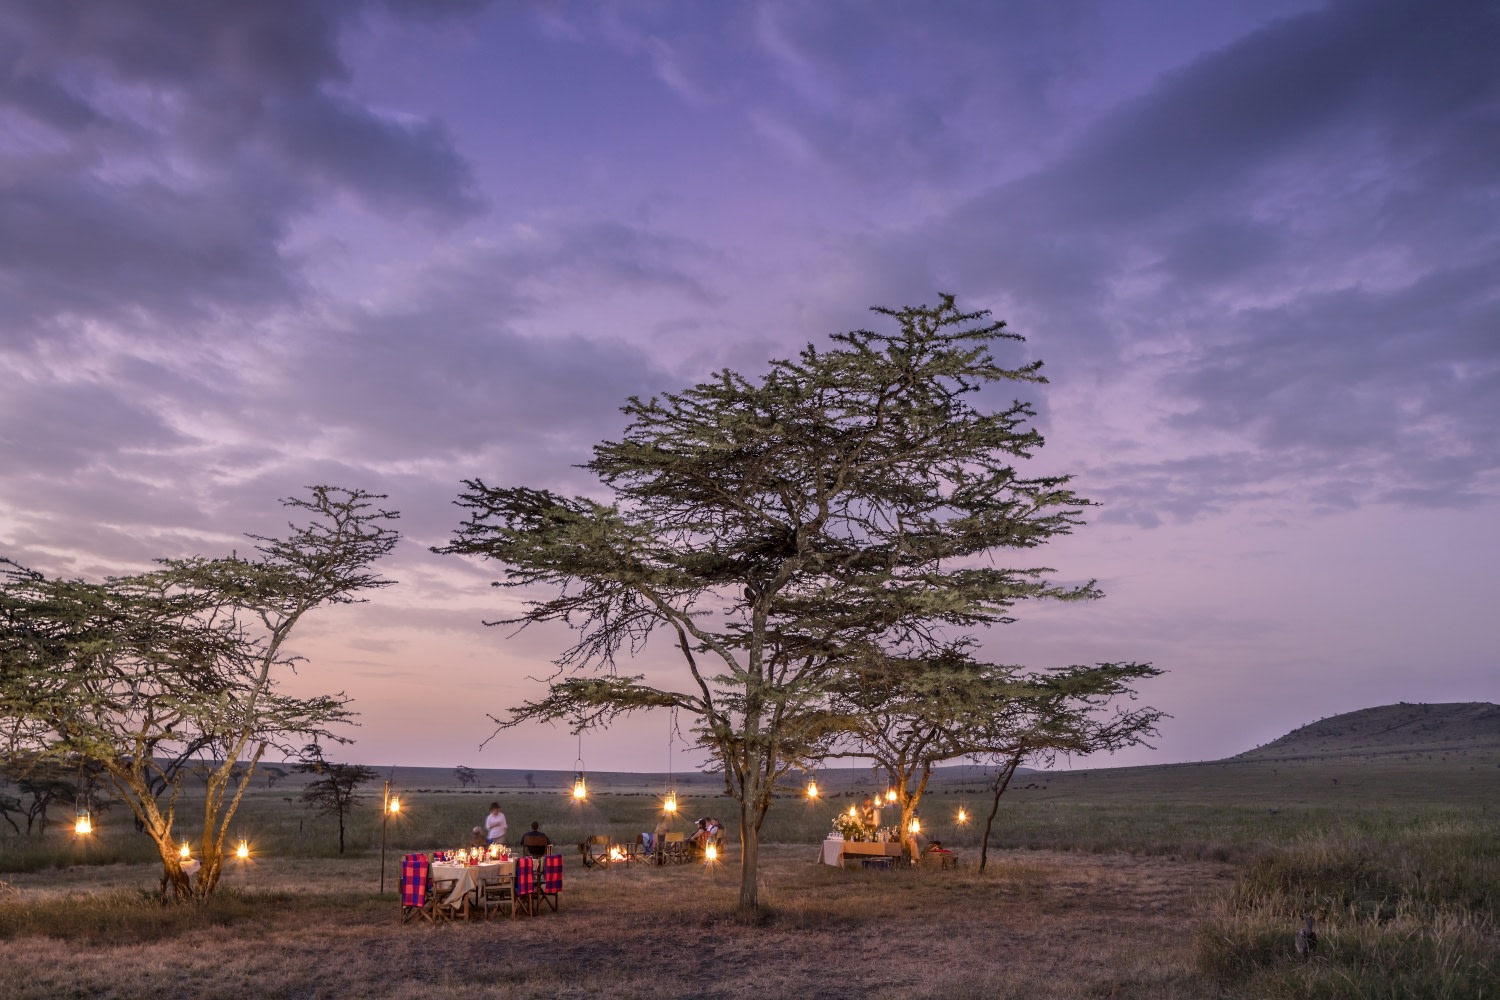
(998, 786)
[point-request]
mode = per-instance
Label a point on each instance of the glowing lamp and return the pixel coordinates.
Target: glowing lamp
(711, 854)
(395, 806)
(243, 851)
(890, 795)
(580, 790)
(916, 827)
(812, 789)
(83, 825)
(853, 813)
(186, 853)
(963, 817)
(671, 804)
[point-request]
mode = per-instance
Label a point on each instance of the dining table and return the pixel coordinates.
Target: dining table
(467, 882)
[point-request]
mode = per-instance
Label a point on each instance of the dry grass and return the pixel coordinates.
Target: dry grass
(1037, 925)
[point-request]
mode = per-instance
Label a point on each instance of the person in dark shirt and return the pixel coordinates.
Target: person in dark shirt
(535, 841)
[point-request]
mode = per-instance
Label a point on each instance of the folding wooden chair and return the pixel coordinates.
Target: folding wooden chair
(674, 848)
(595, 851)
(498, 892)
(437, 893)
(415, 872)
(550, 884)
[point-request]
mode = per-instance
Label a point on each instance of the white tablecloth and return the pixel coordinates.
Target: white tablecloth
(833, 853)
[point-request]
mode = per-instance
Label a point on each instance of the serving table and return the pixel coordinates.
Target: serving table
(836, 852)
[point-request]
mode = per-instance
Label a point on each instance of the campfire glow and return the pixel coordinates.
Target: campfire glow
(615, 854)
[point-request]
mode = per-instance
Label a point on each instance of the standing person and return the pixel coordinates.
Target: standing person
(870, 814)
(494, 825)
(535, 841)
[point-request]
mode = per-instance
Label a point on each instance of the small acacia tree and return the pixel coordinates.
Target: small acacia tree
(335, 790)
(153, 676)
(911, 714)
(466, 776)
(770, 526)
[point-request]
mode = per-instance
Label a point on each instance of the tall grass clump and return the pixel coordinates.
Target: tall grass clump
(1412, 913)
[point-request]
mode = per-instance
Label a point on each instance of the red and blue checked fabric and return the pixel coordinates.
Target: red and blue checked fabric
(552, 865)
(525, 877)
(414, 871)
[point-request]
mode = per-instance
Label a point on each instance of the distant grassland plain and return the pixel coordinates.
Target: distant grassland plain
(1171, 881)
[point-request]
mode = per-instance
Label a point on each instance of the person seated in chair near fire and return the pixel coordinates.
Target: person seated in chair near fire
(535, 841)
(494, 825)
(699, 840)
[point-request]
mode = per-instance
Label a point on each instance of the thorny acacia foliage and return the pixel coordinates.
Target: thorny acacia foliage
(777, 528)
(909, 714)
(176, 671)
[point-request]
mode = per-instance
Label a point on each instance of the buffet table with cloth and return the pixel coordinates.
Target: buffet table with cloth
(836, 852)
(468, 877)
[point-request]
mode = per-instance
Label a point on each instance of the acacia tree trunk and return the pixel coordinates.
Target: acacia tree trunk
(998, 785)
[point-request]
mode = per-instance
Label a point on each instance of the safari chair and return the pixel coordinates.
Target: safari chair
(498, 892)
(552, 879)
(595, 850)
(414, 875)
(673, 848)
(640, 849)
(439, 890)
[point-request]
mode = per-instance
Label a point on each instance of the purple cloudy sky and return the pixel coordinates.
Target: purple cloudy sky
(247, 247)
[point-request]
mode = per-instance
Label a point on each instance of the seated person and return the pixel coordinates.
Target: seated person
(535, 841)
(700, 837)
(478, 839)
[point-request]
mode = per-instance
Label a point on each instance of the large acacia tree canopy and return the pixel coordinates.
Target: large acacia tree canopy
(842, 498)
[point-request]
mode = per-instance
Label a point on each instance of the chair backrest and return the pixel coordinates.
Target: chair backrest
(525, 876)
(414, 872)
(552, 872)
(674, 838)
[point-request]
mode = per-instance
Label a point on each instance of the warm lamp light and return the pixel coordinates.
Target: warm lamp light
(853, 812)
(890, 795)
(812, 789)
(916, 827)
(186, 853)
(711, 854)
(580, 790)
(84, 825)
(243, 851)
(671, 804)
(963, 817)
(395, 805)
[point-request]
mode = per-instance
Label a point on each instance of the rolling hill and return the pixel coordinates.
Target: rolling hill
(1402, 729)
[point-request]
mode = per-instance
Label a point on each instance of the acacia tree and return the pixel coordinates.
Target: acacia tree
(466, 775)
(153, 676)
(772, 528)
(911, 714)
(335, 790)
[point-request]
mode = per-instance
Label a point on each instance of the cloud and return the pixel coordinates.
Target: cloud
(1302, 229)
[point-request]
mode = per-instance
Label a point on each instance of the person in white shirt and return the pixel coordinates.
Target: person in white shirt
(494, 825)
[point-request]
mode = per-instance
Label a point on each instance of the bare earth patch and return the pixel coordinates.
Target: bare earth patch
(1034, 925)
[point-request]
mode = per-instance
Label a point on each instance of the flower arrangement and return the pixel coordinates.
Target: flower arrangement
(851, 827)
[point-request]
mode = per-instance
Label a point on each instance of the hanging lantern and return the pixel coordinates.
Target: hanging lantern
(812, 789)
(853, 812)
(711, 853)
(670, 805)
(395, 805)
(963, 817)
(186, 853)
(580, 788)
(243, 851)
(916, 826)
(84, 823)
(890, 795)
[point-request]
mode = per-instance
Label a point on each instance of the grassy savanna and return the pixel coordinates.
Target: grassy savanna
(1179, 881)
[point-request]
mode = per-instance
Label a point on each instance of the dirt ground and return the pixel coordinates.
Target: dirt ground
(1035, 925)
